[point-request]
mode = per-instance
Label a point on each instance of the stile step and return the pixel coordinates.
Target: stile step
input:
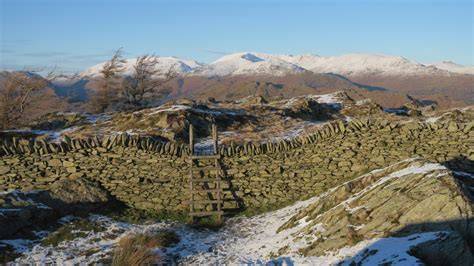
(206, 191)
(206, 180)
(205, 168)
(205, 157)
(205, 202)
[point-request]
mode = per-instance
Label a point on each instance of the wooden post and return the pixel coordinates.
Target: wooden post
(218, 174)
(218, 187)
(191, 139)
(191, 189)
(214, 137)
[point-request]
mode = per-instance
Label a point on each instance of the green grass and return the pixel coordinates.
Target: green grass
(138, 216)
(72, 230)
(252, 211)
(212, 222)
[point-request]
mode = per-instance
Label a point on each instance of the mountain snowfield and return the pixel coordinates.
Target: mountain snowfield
(455, 68)
(363, 65)
(251, 63)
(180, 66)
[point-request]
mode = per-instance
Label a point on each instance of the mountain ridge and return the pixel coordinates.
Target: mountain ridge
(255, 63)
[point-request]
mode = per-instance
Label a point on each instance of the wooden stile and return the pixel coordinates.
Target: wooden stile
(194, 190)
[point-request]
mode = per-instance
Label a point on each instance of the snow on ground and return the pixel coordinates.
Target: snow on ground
(436, 118)
(57, 134)
(160, 109)
(327, 98)
(242, 241)
(413, 169)
(205, 145)
(180, 107)
(330, 99)
(386, 251)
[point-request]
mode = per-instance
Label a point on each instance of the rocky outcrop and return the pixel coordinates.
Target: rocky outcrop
(21, 212)
(406, 198)
(58, 120)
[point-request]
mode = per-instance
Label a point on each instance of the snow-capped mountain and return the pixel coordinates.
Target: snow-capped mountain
(455, 68)
(349, 65)
(180, 66)
(248, 64)
(363, 65)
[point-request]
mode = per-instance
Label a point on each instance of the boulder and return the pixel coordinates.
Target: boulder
(21, 212)
(406, 198)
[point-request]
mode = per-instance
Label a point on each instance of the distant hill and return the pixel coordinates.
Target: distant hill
(180, 66)
(385, 79)
(454, 68)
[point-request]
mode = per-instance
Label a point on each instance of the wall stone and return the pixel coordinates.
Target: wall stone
(150, 175)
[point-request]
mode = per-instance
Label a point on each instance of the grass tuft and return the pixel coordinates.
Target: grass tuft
(138, 249)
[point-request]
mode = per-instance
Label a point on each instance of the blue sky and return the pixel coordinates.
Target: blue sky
(75, 34)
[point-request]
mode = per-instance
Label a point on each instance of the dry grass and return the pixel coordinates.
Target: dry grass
(138, 249)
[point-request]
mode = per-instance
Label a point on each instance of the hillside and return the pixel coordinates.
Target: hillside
(313, 179)
(385, 79)
(454, 68)
(235, 87)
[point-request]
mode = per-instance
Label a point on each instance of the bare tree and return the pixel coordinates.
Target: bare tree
(146, 78)
(107, 91)
(18, 93)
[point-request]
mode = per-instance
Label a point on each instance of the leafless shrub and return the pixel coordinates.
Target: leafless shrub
(146, 78)
(19, 92)
(108, 90)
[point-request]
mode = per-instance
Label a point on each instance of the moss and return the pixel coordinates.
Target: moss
(252, 211)
(138, 216)
(72, 230)
(212, 222)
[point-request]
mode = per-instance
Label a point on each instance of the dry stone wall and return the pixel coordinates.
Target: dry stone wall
(149, 175)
